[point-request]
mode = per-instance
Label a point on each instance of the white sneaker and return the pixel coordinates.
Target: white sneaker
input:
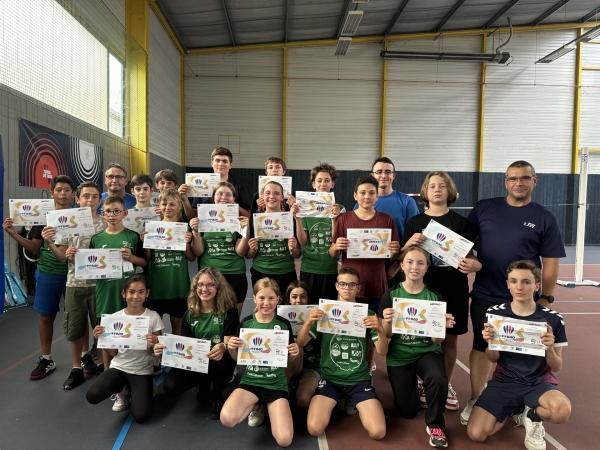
(534, 433)
(452, 399)
(121, 401)
(256, 418)
(466, 413)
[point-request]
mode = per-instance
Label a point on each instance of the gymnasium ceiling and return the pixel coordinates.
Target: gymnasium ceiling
(226, 23)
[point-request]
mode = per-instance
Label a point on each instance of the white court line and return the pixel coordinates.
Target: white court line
(549, 438)
(323, 445)
(562, 313)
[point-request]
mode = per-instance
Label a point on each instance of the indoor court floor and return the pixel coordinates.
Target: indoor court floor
(40, 414)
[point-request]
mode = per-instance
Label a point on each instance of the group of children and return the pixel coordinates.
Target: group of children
(325, 369)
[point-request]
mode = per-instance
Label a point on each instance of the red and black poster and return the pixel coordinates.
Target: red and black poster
(45, 153)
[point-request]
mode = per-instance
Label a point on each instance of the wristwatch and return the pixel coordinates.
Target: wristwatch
(550, 298)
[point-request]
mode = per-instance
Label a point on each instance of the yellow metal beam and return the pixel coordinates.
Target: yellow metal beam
(482, 106)
(577, 107)
(590, 68)
(182, 105)
(284, 109)
(165, 23)
(358, 40)
(383, 101)
(137, 22)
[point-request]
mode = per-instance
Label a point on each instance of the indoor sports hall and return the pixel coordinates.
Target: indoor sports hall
(461, 86)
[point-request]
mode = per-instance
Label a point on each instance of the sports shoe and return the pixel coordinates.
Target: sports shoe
(157, 370)
(99, 369)
(437, 437)
(466, 413)
(215, 408)
(256, 418)
(74, 380)
(373, 367)
(121, 400)
(94, 352)
(350, 410)
(44, 368)
(452, 399)
(422, 394)
(534, 432)
(88, 365)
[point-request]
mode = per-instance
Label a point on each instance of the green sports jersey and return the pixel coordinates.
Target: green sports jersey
(263, 376)
(315, 255)
(108, 291)
(405, 349)
(47, 264)
(219, 252)
(168, 275)
(273, 257)
(344, 358)
(209, 326)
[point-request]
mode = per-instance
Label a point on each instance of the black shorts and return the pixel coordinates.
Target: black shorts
(354, 393)
(283, 280)
(319, 286)
(459, 308)
(479, 309)
(265, 396)
(239, 284)
(504, 399)
(175, 307)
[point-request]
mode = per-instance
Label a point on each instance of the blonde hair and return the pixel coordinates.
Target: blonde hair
(225, 298)
(170, 193)
(266, 283)
(452, 191)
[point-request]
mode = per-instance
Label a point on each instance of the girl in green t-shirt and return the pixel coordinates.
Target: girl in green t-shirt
(410, 355)
(263, 385)
(225, 250)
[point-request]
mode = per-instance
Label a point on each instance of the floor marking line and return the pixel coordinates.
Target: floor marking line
(129, 421)
(322, 440)
(577, 301)
(548, 437)
(37, 352)
(562, 313)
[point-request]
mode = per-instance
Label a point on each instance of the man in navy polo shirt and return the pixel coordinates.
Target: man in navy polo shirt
(115, 179)
(508, 229)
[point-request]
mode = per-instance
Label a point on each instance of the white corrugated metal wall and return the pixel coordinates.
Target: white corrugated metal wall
(529, 107)
(433, 107)
(164, 97)
(117, 7)
(589, 125)
(237, 94)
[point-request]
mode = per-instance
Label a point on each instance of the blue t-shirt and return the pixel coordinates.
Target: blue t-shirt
(529, 370)
(398, 205)
(506, 234)
(130, 201)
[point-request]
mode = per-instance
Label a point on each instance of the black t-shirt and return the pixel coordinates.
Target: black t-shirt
(241, 196)
(445, 279)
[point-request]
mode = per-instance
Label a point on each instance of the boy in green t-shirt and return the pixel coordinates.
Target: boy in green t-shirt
(411, 355)
(142, 188)
(108, 291)
(344, 367)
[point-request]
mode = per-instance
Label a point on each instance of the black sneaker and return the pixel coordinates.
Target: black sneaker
(99, 369)
(94, 352)
(215, 408)
(43, 369)
(88, 364)
(74, 380)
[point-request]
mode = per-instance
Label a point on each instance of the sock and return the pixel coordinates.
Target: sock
(78, 368)
(532, 415)
(48, 357)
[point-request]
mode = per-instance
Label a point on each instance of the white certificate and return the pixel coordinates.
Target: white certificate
(273, 225)
(185, 353)
(201, 184)
(445, 244)
(71, 222)
(516, 336)
(30, 212)
(124, 332)
(263, 347)
(315, 204)
(154, 200)
(296, 314)
(165, 235)
(137, 217)
(98, 263)
(419, 317)
(218, 218)
(286, 182)
(343, 318)
(369, 243)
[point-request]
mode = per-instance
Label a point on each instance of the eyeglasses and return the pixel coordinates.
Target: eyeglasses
(525, 179)
(224, 194)
(114, 212)
(207, 286)
(345, 285)
(384, 172)
(115, 177)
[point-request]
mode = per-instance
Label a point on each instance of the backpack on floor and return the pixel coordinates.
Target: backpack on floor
(14, 293)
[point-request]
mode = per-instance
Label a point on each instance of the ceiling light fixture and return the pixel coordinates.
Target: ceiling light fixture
(569, 47)
(351, 24)
(342, 46)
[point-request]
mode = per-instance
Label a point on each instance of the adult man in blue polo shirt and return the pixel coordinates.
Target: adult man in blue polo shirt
(115, 179)
(508, 229)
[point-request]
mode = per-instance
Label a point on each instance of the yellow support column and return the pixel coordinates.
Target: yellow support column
(182, 93)
(383, 102)
(284, 109)
(137, 22)
(577, 108)
(481, 107)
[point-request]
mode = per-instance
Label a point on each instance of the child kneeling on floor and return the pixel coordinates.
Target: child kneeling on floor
(131, 369)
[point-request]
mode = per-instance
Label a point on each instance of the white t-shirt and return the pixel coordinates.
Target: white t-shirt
(138, 362)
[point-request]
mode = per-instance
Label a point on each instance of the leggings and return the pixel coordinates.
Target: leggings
(112, 381)
(239, 284)
(283, 279)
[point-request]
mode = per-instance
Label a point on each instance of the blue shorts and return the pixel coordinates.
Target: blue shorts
(49, 289)
(354, 393)
(504, 399)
